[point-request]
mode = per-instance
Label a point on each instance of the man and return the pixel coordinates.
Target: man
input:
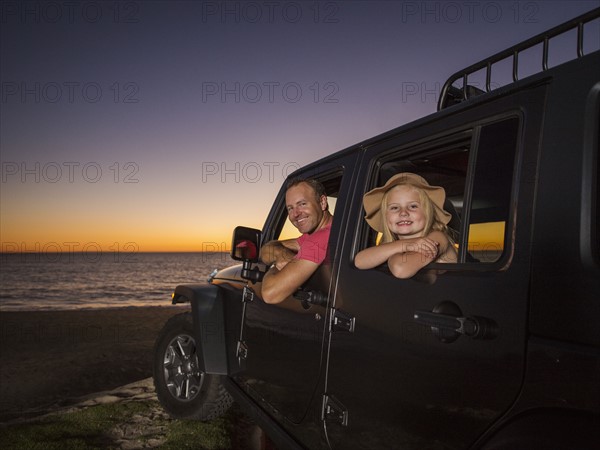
(295, 260)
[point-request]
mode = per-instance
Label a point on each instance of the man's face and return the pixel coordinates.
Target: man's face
(304, 211)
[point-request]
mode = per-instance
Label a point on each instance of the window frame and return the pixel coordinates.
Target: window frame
(590, 198)
(437, 145)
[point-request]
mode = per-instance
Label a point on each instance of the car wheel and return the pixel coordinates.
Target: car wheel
(183, 389)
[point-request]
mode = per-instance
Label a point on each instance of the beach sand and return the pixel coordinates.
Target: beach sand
(50, 358)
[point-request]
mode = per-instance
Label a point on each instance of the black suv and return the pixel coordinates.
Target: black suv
(500, 351)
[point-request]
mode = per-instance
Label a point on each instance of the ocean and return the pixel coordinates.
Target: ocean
(59, 281)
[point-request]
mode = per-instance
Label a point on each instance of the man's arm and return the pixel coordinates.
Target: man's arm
(279, 252)
(278, 284)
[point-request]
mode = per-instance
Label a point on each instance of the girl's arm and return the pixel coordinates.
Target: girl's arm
(405, 265)
(375, 256)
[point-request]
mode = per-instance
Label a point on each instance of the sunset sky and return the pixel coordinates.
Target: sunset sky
(162, 125)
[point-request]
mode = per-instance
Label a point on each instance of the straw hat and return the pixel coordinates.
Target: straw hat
(372, 199)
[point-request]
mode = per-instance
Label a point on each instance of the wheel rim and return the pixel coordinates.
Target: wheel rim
(183, 376)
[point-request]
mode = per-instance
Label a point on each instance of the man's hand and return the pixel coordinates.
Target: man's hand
(284, 257)
(279, 252)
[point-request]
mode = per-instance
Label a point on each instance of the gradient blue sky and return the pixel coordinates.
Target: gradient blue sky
(115, 129)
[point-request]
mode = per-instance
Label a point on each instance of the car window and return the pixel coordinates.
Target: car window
(489, 211)
(476, 169)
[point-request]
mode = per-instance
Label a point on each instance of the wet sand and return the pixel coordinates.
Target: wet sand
(50, 358)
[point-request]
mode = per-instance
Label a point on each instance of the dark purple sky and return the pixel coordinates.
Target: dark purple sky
(116, 115)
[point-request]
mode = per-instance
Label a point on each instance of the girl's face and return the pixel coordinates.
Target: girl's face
(405, 215)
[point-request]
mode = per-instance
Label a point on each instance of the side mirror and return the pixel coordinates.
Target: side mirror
(245, 247)
(246, 244)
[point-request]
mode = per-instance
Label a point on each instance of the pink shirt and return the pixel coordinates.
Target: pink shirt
(313, 247)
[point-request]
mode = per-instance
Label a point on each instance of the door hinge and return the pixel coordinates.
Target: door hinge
(334, 411)
(341, 321)
(242, 350)
(247, 295)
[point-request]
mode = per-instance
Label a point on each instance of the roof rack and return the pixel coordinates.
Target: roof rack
(451, 95)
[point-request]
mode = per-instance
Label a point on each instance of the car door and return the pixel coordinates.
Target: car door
(283, 343)
(399, 378)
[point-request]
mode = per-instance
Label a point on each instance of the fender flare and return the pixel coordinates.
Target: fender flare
(208, 316)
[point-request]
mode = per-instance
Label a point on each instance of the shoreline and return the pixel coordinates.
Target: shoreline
(92, 307)
(51, 358)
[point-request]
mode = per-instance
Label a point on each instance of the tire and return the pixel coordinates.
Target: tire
(184, 391)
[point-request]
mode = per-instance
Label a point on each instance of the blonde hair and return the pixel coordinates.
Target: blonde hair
(431, 221)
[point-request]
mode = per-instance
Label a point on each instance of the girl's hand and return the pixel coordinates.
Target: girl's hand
(425, 246)
(416, 254)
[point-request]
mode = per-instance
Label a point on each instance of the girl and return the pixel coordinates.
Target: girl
(410, 215)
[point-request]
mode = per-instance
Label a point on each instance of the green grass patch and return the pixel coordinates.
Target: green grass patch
(99, 427)
(212, 435)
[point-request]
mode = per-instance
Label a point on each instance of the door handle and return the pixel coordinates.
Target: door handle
(448, 323)
(308, 298)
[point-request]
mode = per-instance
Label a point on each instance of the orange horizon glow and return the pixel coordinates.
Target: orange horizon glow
(30, 237)
(107, 218)
(115, 243)
(486, 236)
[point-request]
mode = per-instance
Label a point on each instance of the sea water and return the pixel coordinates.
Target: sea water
(54, 281)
